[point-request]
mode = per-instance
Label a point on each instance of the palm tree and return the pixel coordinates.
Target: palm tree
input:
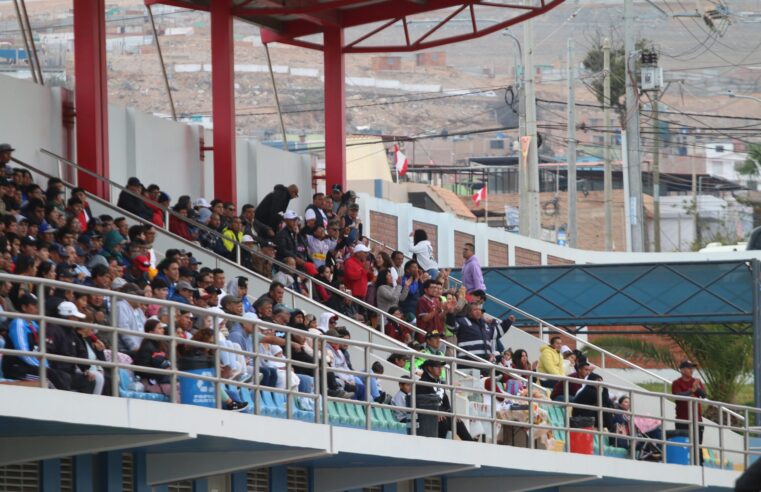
(752, 163)
(724, 360)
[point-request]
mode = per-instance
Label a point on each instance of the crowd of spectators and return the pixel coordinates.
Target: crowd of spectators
(45, 234)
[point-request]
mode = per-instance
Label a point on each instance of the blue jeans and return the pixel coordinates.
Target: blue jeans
(359, 392)
(269, 376)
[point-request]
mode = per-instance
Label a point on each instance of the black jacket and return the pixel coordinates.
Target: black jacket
(588, 396)
(291, 244)
(152, 354)
(63, 340)
(137, 206)
(445, 406)
(270, 208)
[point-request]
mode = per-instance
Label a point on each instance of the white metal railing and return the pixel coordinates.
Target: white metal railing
(524, 411)
(239, 248)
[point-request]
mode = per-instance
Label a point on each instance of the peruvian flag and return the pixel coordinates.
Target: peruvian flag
(400, 161)
(480, 195)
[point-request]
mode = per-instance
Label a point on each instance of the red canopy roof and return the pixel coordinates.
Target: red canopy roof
(365, 21)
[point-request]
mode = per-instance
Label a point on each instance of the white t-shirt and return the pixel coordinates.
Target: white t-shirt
(424, 255)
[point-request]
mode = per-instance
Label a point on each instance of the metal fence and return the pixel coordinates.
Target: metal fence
(525, 412)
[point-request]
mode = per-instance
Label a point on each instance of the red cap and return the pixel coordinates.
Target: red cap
(143, 263)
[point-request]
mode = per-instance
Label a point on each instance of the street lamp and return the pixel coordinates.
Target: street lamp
(730, 93)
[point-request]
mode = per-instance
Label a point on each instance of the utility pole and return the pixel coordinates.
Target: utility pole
(607, 173)
(528, 176)
(572, 231)
(637, 229)
(656, 176)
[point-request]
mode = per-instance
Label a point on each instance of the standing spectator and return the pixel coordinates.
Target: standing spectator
(357, 271)
(550, 361)
(414, 291)
(472, 276)
(132, 202)
(475, 335)
(397, 260)
(423, 253)
(386, 294)
(430, 312)
(688, 385)
(272, 207)
(432, 374)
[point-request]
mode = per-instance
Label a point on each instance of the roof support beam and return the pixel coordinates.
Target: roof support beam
(339, 479)
(172, 467)
(335, 108)
(23, 449)
(517, 483)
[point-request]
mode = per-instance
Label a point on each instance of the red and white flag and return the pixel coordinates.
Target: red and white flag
(480, 195)
(400, 162)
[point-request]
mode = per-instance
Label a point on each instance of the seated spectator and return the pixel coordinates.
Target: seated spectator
(589, 395)
(402, 399)
(319, 245)
(132, 202)
(209, 239)
(130, 316)
(263, 265)
(62, 340)
(181, 227)
(321, 293)
(397, 331)
(267, 348)
(290, 242)
(550, 361)
(583, 369)
(183, 293)
(348, 385)
(89, 344)
(233, 235)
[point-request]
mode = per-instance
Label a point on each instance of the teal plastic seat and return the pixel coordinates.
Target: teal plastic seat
(334, 415)
(270, 407)
(126, 378)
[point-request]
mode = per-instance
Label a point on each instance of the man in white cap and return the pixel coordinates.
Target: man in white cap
(203, 207)
(290, 242)
(62, 340)
(358, 271)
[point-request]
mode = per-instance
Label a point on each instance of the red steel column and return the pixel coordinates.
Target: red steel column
(91, 93)
(335, 108)
(223, 99)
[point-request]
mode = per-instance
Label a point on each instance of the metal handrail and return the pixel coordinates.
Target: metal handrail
(320, 366)
(282, 266)
(605, 353)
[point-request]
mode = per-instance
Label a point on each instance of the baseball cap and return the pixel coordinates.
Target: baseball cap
(27, 299)
(361, 248)
(67, 309)
(64, 270)
(433, 333)
(133, 181)
(61, 250)
(310, 215)
(183, 285)
(142, 263)
(266, 243)
(186, 272)
(687, 363)
(202, 202)
(194, 261)
(118, 283)
(247, 239)
(6, 148)
(336, 187)
(290, 215)
(28, 241)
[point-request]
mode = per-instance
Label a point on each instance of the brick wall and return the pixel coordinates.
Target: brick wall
(383, 228)
(460, 238)
(433, 235)
(527, 257)
(554, 260)
(498, 254)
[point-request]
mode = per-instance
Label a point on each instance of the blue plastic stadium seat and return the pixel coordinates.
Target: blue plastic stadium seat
(126, 377)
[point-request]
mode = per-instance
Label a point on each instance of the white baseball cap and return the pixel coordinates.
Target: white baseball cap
(202, 202)
(310, 215)
(67, 309)
(290, 215)
(247, 239)
(361, 248)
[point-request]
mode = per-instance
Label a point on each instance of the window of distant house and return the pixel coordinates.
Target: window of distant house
(719, 148)
(496, 144)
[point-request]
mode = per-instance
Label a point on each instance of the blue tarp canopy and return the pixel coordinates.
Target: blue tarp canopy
(629, 294)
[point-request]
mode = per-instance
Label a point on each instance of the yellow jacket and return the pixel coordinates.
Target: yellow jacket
(550, 361)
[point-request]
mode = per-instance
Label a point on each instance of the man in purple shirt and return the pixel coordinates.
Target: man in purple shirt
(472, 277)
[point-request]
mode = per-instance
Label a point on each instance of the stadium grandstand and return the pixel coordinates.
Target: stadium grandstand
(175, 321)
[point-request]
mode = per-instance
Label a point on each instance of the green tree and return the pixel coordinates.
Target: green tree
(724, 360)
(752, 163)
(593, 61)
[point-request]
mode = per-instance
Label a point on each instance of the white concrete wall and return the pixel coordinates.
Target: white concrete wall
(31, 119)
(267, 166)
(448, 223)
